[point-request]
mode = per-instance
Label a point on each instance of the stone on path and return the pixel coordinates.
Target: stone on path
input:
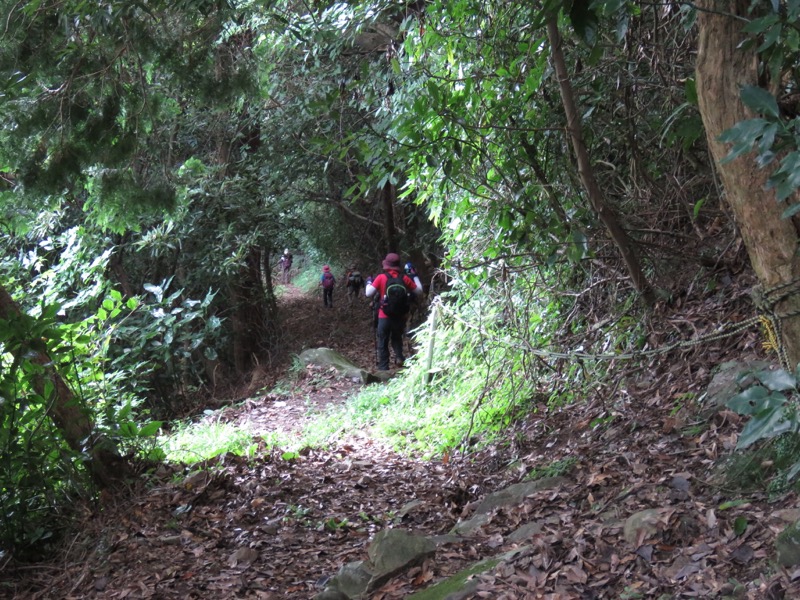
(325, 357)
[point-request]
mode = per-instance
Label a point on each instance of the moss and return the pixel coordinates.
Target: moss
(444, 588)
(788, 545)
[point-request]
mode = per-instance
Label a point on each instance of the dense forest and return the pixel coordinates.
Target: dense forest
(599, 196)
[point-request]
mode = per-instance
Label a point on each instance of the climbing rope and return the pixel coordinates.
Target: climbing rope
(767, 302)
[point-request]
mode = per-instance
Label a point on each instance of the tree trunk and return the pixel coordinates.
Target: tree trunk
(248, 318)
(603, 210)
(772, 242)
(388, 197)
(118, 268)
(73, 420)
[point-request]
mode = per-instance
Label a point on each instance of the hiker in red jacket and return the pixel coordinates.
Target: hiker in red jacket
(393, 288)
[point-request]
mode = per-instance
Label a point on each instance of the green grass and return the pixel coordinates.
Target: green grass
(479, 389)
(197, 442)
(308, 279)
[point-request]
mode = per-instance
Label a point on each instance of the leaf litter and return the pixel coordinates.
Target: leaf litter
(640, 518)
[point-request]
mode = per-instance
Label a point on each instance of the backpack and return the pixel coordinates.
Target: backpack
(395, 301)
(328, 281)
(355, 279)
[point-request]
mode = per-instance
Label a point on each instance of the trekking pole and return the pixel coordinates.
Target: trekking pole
(374, 308)
(431, 342)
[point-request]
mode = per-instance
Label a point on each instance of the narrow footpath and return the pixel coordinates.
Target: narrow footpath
(635, 513)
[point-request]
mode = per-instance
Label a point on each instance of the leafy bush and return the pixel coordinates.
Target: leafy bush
(768, 403)
(770, 440)
(163, 344)
(39, 474)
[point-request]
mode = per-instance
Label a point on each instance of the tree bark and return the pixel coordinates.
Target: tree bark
(388, 197)
(771, 241)
(248, 318)
(72, 420)
(601, 207)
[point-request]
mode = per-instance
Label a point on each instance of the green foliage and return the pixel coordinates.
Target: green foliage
(483, 383)
(771, 438)
(769, 407)
(170, 336)
(555, 469)
(774, 135)
(191, 443)
(38, 472)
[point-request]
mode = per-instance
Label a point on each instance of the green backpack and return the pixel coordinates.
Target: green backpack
(395, 300)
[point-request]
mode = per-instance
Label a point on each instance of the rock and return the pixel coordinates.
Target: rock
(462, 585)
(641, 525)
(516, 494)
(407, 508)
(525, 532)
(380, 376)
(471, 526)
(351, 581)
(325, 357)
(393, 551)
(331, 594)
(788, 545)
(446, 538)
(727, 382)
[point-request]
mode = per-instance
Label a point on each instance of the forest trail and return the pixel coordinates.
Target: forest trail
(306, 323)
(273, 527)
(278, 527)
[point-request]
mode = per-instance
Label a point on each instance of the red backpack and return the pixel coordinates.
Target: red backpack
(328, 280)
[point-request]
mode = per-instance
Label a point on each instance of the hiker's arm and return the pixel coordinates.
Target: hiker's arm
(414, 285)
(418, 291)
(370, 290)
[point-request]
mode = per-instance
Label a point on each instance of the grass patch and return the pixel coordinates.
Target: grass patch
(480, 388)
(482, 384)
(196, 442)
(308, 279)
(418, 418)
(558, 468)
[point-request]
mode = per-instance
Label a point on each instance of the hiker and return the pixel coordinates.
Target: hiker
(411, 271)
(354, 281)
(328, 282)
(373, 304)
(286, 266)
(393, 288)
(415, 311)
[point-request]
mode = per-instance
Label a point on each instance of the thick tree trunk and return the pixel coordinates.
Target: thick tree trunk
(248, 318)
(73, 420)
(772, 242)
(601, 207)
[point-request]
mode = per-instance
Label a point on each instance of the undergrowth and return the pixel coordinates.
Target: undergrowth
(476, 385)
(195, 442)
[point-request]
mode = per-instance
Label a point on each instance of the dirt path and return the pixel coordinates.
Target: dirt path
(262, 528)
(277, 527)
(346, 328)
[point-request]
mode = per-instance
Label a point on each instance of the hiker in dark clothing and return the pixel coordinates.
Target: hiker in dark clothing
(392, 288)
(286, 266)
(328, 282)
(353, 281)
